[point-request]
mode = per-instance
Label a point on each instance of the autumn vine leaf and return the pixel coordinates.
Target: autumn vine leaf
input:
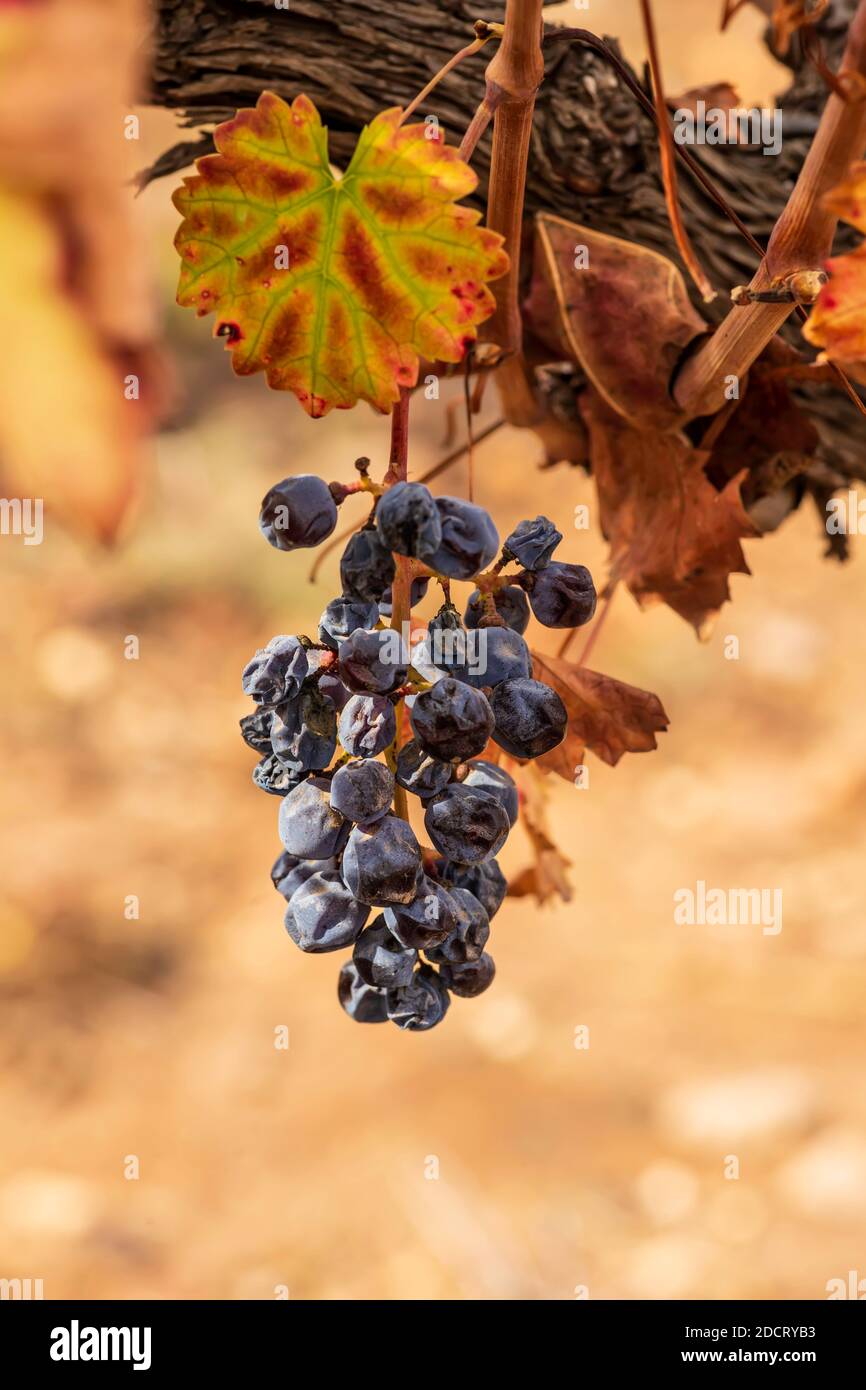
(838, 321)
(604, 715)
(334, 286)
(618, 309)
(673, 536)
(547, 876)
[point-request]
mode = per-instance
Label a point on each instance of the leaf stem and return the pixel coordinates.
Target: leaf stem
(398, 461)
(480, 121)
(401, 588)
(470, 440)
(483, 34)
(668, 160)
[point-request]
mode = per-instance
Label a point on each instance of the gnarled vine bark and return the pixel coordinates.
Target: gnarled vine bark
(593, 157)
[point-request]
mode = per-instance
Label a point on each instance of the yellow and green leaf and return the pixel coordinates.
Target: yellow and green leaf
(335, 286)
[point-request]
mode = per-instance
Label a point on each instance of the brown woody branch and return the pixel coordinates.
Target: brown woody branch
(514, 75)
(802, 240)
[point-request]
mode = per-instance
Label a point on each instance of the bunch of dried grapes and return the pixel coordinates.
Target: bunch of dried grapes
(328, 726)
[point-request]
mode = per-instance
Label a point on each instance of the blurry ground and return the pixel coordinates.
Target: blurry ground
(312, 1168)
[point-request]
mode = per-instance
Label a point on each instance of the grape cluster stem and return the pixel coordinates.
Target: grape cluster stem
(401, 590)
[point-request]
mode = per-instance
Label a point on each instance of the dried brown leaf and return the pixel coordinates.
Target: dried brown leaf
(766, 432)
(673, 537)
(624, 314)
(604, 714)
(545, 879)
(720, 95)
(547, 876)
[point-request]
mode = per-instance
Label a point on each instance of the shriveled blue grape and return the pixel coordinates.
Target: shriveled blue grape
(298, 513)
(334, 690)
(382, 862)
(421, 1004)
(367, 725)
(276, 672)
(373, 662)
(308, 824)
(408, 521)
(381, 959)
(256, 730)
(469, 542)
(487, 777)
(427, 919)
(289, 872)
(502, 655)
(362, 791)
(447, 644)
(469, 979)
(451, 721)
(469, 937)
(367, 567)
(484, 881)
(362, 1002)
(304, 731)
(271, 775)
(420, 773)
(530, 718)
(466, 825)
(343, 616)
(282, 867)
(562, 595)
(323, 915)
(532, 543)
(510, 603)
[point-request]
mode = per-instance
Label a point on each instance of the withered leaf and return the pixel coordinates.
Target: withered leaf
(765, 426)
(605, 715)
(545, 879)
(673, 537)
(721, 96)
(619, 309)
(547, 876)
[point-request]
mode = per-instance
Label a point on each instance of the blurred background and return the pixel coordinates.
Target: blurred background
(491, 1158)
